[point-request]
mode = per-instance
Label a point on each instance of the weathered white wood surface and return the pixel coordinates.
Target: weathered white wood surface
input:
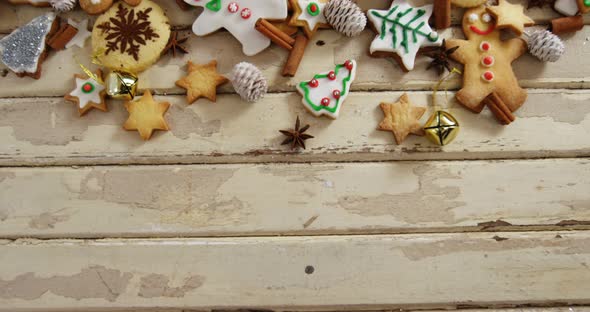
(227, 200)
(379, 271)
(372, 74)
(42, 131)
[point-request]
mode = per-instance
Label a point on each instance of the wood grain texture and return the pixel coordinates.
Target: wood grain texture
(327, 48)
(252, 200)
(12, 16)
(387, 271)
(48, 131)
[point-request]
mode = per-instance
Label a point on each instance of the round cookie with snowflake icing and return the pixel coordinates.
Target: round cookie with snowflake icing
(130, 38)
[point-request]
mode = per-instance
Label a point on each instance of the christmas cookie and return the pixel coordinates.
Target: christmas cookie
(487, 61)
(467, 3)
(94, 7)
(566, 7)
(325, 93)
(402, 118)
(24, 49)
(146, 115)
(402, 31)
(584, 6)
(88, 93)
(510, 16)
(131, 38)
(201, 81)
(81, 36)
(239, 18)
(309, 14)
(37, 3)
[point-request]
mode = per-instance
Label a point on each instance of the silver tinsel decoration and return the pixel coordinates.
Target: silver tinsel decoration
(346, 17)
(20, 51)
(248, 81)
(63, 5)
(545, 45)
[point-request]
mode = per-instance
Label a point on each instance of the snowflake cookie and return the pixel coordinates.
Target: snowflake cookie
(131, 38)
(325, 92)
(402, 30)
(239, 18)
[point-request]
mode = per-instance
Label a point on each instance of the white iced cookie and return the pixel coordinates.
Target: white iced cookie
(566, 7)
(239, 18)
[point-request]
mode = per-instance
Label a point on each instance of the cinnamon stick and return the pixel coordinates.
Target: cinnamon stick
(295, 56)
(442, 14)
(275, 34)
(499, 109)
(566, 24)
(63, 35)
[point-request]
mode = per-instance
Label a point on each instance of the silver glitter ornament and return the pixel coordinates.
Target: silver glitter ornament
(22, 49)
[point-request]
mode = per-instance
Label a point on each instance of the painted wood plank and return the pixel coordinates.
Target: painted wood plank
(326, 50)
(48, 131)
(388, 271)
(12, 16)
(280, 199)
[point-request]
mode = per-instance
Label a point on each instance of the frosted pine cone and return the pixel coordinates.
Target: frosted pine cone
(249, 82)
(63, 5)
(346, 17)
(546, 46)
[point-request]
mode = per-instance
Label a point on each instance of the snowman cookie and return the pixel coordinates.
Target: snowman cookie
(487, 60)
(239, 17)
(131, 38)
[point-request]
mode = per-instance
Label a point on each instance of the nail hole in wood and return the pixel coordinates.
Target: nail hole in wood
(320, 43)
(309, 269)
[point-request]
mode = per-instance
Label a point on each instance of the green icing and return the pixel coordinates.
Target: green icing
(320, 107)
(310, 11)
(586, 2)
(214, 5)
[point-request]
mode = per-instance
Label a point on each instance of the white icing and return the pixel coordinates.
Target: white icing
(486, 18)
(86, 98)
(82, 34)
(95, 2)
(386, 44)
(242, 29)
(311, 21)
(326, 88)
(566, 7)
(473, 18)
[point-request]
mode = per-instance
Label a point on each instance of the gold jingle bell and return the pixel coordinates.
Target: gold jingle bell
(441, 128)
(121, 85)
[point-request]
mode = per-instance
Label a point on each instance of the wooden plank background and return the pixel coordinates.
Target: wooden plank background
(215, 214)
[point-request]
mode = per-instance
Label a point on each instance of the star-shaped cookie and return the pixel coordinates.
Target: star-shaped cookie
(146, 115)
(201, 81)
(82, 34)
(309, 14)
(402, 118)
(88, 93)
(510, 16)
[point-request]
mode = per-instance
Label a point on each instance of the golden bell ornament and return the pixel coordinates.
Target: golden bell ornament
(441, 128)
(121, 85)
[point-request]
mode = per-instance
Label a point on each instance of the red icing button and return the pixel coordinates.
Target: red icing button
(325, 101)
(488, 76)
(314, 83)
(332, 75)
(485, 46)
(313, 7)
(487, 61)
(87, 87)
(348, 65)
(246, 13)
(336, 94)
(233, 7)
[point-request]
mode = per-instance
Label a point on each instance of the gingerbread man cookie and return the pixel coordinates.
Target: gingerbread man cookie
(487, 60)
(239, 18)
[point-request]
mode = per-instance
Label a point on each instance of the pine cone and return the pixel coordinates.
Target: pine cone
(63, 5)
(346, 17)
(546, 46)
(248, 81)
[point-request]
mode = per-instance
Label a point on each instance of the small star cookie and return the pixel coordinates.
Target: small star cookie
(309, 14)
(82, 34)
(88, 93)
(146, 115)
(201, 81)
(510, 16)
(402, 118)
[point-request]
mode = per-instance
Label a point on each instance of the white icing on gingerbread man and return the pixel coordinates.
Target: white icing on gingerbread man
(239, 18)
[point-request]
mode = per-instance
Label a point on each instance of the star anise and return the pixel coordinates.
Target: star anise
(440, 58)
(174, 45)
(297, 136)
(539, 3)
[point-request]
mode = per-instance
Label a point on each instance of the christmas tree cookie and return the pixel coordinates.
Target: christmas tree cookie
(88, 94)
(239, 18)
(24, 49)
(325, 93)
(402, 31)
